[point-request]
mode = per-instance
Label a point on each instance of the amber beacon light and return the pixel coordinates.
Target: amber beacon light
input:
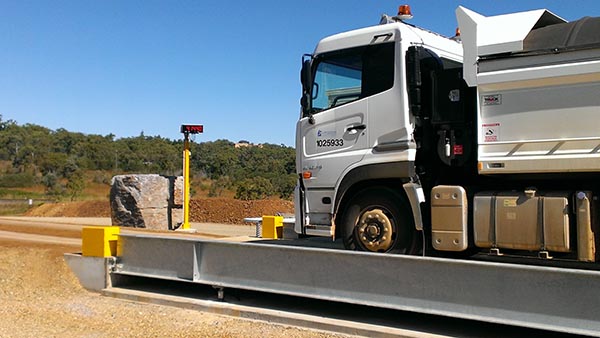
(404, 12)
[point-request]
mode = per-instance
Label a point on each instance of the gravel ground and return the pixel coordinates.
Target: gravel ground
(42, 298)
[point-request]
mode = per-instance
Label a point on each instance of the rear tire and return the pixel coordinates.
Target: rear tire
(379, 220)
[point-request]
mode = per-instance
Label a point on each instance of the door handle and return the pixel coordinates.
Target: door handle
(356, 128)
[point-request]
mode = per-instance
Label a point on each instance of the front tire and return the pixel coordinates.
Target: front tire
(379, 220)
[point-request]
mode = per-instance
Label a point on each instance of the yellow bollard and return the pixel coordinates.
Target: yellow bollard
(272, 227)
(99, 241)
(187, 129)
(186, 183)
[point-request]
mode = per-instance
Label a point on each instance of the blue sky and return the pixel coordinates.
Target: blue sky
(126, 66)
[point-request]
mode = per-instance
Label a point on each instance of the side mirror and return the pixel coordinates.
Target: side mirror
(306, 75)
(306, 79)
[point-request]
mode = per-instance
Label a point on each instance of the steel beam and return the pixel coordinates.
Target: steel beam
(556, 299)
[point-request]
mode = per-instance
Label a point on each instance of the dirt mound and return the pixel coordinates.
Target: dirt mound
(72, 209)
(232, 211)
(213, 210)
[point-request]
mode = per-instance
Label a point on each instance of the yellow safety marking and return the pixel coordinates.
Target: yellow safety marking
(99, 241)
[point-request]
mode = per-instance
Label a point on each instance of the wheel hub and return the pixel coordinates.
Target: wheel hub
(372, 230)
(375, 230)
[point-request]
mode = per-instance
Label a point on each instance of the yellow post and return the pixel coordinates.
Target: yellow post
(186, 182)
(187, 129)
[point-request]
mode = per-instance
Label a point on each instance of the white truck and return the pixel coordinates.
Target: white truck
(487, 142)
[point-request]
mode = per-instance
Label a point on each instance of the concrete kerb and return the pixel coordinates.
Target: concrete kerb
(92, 272)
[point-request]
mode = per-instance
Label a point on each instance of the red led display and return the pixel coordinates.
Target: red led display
(192, 128)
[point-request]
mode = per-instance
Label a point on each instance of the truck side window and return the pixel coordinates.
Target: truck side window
(378, 69)
(348, 75)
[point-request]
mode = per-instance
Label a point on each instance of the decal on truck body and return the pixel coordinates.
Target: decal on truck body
(337, 142)
(491, 132)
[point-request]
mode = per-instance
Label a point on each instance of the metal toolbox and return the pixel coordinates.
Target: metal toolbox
(522, 221)
(449, 218)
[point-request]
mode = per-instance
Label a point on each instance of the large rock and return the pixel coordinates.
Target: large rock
(143, 201)
(178, 192)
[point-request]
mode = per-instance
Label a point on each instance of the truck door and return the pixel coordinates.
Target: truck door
(334, 135)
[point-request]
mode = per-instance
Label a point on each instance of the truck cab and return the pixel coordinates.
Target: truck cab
(356, 130)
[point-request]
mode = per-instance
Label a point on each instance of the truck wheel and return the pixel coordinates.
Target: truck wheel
(378, 220)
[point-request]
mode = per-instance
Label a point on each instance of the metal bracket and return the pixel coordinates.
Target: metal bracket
(220, 293)
(544, 255)
(495, 252)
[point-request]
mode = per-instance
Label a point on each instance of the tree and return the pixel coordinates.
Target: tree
(52, 184)
(256, 171)
(254, 188)
(215, 159)
(52, 163)
(4, 124)
(75, 184)
(284, 185)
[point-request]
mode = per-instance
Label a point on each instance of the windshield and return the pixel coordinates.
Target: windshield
(348, 75)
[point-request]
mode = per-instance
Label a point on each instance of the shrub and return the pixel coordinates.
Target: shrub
(52, 184)
(19, 180)
(254, 188)
(284, 185)
(218, 186)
